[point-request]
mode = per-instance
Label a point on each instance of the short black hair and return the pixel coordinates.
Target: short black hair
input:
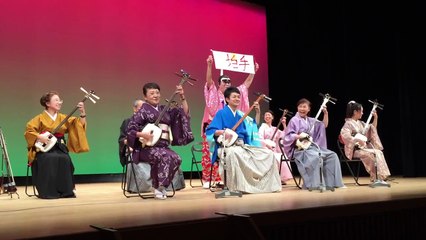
(230, 90)
(150, 85)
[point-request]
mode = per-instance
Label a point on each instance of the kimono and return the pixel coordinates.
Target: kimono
(53, 171)
(308, 160)
(266, 132)
(369, 154)
(177, 131)
(215, 101)
(250, 168)
(138, 176)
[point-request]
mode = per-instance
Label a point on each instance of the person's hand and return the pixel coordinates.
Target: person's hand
(256, 106)
(360, 144)
(228, 134)
(44, 138)
(270, 144)
(219, 132)
(303, 135)
(209, 60)
(146, 136)
(179, 90)
(80, 107)
(256, 67)
(324, 110)
(283, 121)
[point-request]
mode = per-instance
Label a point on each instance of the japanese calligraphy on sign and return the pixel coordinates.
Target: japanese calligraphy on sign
(233, 62)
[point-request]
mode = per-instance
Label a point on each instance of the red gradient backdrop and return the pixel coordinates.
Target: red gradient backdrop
(113, 47)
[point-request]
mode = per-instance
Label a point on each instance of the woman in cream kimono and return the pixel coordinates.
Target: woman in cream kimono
(368, 151)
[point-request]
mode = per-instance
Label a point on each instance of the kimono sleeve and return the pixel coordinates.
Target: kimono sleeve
(77, 139)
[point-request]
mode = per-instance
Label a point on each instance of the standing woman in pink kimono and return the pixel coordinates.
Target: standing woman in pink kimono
(266, 131)
(215, 101)
(53, 170)
(369, 151)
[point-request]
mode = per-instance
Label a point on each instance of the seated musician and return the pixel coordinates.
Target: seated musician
(139, 175)
(270, 135)
(250, 168)
(175, 130)
(307, 157)
(53, 170)
(368, 151)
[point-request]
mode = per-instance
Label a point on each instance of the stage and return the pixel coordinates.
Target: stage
(101, 211)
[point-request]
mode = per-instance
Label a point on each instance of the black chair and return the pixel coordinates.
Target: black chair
(291, 164)
(131, 175)
(196, 150)
(353, 170)
(29, 182)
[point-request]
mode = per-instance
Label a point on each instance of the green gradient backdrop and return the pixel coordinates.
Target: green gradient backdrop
(114, 47)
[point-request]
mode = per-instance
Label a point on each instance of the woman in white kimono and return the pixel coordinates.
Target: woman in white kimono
(269, 136)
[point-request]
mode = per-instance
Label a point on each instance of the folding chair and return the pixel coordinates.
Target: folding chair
(196, 150)
(27, 182)
(141, 182)
(349, 162)
(216, 185)
(291, 164)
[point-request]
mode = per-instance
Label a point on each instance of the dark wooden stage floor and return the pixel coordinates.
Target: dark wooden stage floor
(195, 211)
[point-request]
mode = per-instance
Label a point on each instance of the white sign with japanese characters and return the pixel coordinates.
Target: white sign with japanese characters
(233, 61)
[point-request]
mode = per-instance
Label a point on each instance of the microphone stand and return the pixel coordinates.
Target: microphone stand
(322, 187)
(225, 191)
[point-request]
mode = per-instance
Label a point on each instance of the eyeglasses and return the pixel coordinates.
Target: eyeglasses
(60, 101)
(226, 80)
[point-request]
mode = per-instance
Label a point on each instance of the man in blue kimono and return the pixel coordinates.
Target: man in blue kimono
(250, 168)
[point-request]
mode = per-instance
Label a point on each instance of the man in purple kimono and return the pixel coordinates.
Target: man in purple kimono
(173, 128)
(305, 140)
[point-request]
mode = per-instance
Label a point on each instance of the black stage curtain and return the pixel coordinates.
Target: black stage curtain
(353, 50)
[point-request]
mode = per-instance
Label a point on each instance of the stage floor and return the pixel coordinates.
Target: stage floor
(104, 205)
